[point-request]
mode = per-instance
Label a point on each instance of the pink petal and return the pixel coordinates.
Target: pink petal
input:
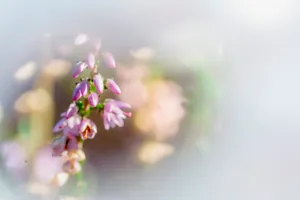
(91, 135)
(76, 93)
(119, 104)
(72, 110)
(58, 146)
(60, 125)
(91, 61)
(109, 60)
(80, 67)
(93, 99)
(83, 125)
(72, 143)
(112, 86)
(93, 126)
(98, 45)
(98, 82)
(119, 122)
(73, 121)
(105, 121)
(84, 87)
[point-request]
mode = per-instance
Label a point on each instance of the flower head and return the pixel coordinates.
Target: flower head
(74, 126)
(113, 115)
(87, 129)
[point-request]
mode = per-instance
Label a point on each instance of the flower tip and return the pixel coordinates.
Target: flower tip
(109, 60)
(91, 61)
(112, 86)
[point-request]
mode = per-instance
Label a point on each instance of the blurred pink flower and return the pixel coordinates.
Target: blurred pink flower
(46, 166)
(132, 85)
(13, 155)
(164, 110)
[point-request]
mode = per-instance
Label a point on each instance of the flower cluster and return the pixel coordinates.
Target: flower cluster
(75, 126)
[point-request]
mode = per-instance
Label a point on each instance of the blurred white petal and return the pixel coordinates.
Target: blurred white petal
(26, 71)
(81, 39)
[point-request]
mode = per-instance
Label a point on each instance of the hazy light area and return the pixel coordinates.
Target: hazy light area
(213, 88)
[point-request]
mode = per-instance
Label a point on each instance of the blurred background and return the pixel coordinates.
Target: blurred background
(213, 86)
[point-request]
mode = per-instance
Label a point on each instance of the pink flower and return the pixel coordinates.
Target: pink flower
(112, 86)
(91, 61)
(80, 67)
(87, 129)
(64, 143)
(93, 99)
(81, 90)
(98, 82)
(72, 110)
(113, 115)
(70, 122)
(109, 60)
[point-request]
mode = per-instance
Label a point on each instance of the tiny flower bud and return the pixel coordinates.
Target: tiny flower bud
(98, 82)
(112, 86)
(93, 99)
(77, 93)
(91, 61)
(98, 45)
(80, 67)
(109, 60)
(84, 87)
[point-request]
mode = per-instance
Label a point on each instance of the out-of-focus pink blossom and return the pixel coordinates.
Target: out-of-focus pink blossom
(98, 82)
(162, 114)
(97, 45)
(13, 155)
(80, 39)
(91, 61)
(109, 60)
(112, 86)
(45, 166)
(132, 83)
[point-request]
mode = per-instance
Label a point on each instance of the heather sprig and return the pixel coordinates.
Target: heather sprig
(75, 126)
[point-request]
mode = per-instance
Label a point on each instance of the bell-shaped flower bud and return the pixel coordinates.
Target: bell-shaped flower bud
(112, 86)
(109, 60)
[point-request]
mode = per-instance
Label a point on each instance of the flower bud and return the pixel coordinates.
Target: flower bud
(112, 86)
(91, 61)
(98, 82)
(93, 99)
(80, 67)
(109, 60)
